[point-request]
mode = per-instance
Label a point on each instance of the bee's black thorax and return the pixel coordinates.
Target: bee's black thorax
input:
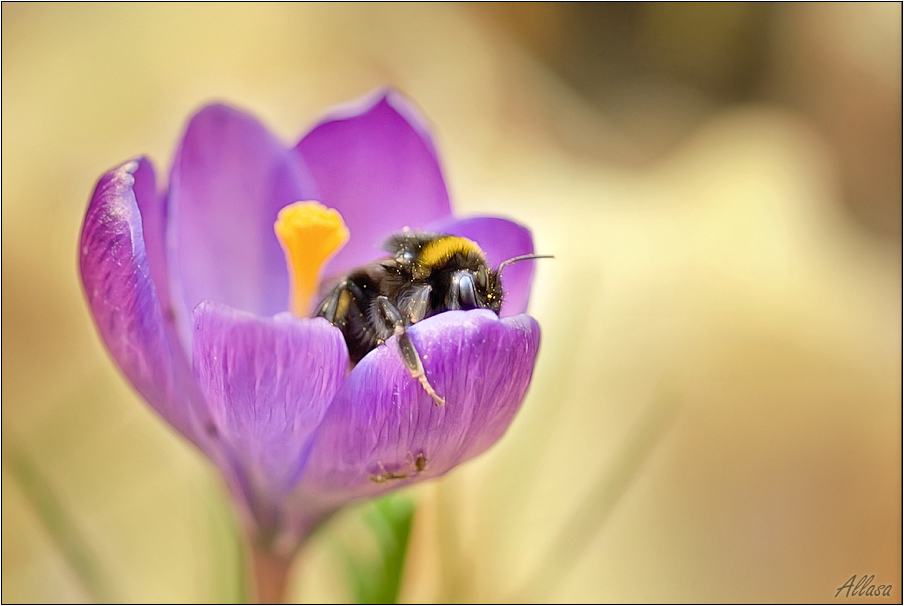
(425, 275)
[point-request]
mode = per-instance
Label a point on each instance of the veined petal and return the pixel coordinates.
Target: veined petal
(501, 240)
(383, 430)
(267, 382)
(229, 180)
(377, 166)
(125, 302)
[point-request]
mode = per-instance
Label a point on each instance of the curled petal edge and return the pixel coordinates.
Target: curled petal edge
(123, 297)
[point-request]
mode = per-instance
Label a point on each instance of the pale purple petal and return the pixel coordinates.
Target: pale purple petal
(229, 180)
(268, 382)
(383, 423)
(117, 276)
(501, 240)
(152, 206)
(378, 167)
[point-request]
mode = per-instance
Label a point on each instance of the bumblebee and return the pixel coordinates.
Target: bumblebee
(425, 274)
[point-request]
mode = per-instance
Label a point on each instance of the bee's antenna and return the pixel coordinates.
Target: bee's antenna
(522, 258)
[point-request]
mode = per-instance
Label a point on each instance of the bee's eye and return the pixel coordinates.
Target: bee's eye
(481, 278)
(463, 286)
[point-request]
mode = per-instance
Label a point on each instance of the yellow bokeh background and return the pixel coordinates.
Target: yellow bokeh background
(708, 255)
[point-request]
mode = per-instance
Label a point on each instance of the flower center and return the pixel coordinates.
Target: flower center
(310, 233)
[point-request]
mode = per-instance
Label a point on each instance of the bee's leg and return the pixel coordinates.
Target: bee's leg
(410, 356)
(337, 305)
(417, 304)
(329, 308)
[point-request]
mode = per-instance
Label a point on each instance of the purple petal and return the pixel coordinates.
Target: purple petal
(377, 166)
(383, 424)
(117, 276)
(501, 240)
(152, 207)
(267, 382)
(229, 180)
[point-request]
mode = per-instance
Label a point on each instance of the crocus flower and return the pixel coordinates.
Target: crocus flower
(190, 291)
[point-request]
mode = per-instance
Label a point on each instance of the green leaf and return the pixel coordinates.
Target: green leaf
(60, 525)
(377, 578)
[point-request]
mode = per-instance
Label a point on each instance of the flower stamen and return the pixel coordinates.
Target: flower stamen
(310, 234)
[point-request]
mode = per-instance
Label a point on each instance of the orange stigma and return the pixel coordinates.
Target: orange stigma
(310, 234)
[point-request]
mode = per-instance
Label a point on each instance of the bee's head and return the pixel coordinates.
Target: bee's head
(480, 286)
(476, 287)
(455, 267)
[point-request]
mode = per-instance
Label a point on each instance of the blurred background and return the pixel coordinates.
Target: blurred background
(716, 409)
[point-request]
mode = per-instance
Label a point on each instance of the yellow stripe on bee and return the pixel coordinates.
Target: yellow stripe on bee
(439, 251)
(310, 234)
